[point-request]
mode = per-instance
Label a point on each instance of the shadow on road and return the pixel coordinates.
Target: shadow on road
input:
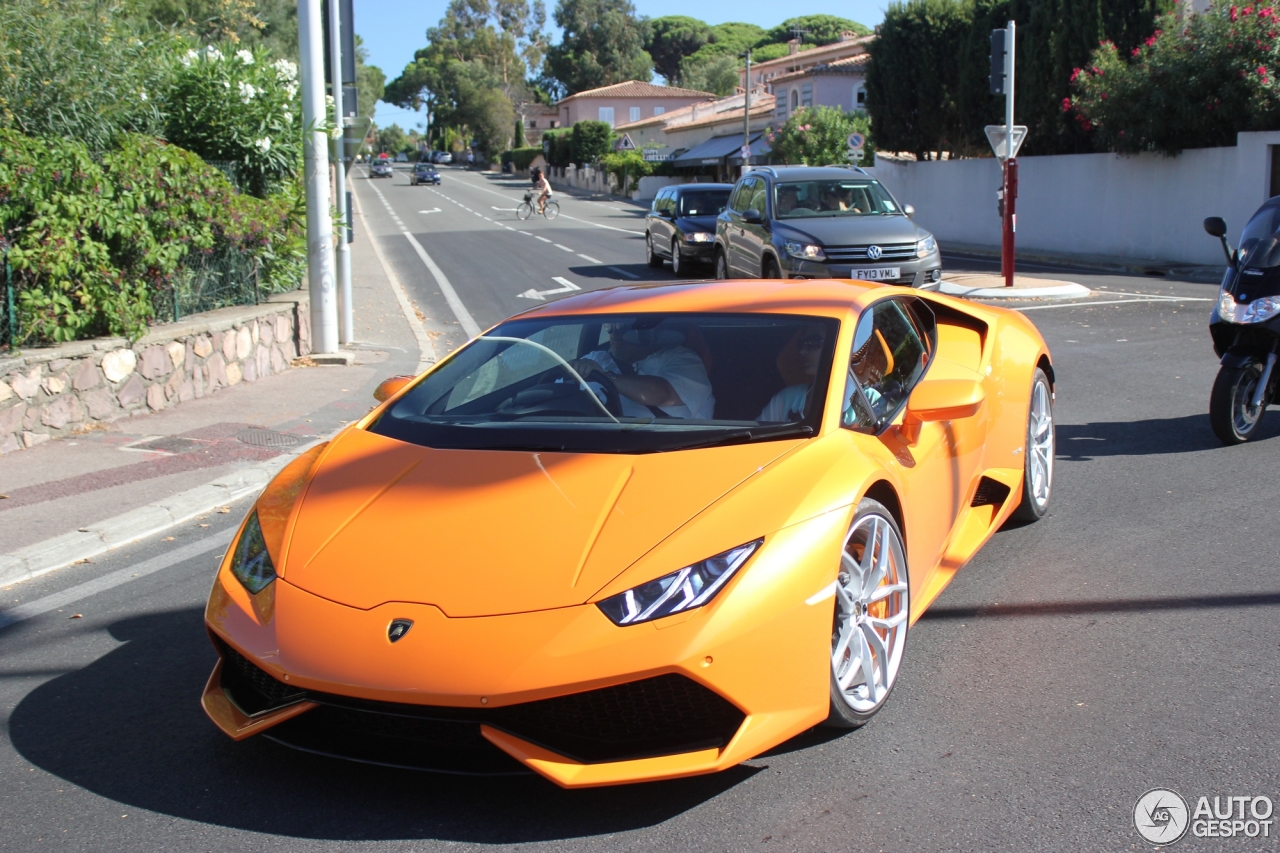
(129, 727)
(1122, 605)
(1155, 436)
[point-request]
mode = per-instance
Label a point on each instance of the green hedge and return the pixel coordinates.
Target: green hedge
(97, 242)
(556, 143)
(520, 158)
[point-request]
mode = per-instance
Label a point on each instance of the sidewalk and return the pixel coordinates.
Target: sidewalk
(69, 499)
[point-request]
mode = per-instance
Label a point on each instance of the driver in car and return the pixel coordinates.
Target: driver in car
(655, 374)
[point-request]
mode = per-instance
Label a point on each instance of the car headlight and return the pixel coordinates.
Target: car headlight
(251, 563)
(690, 587)
(806, 252)
(1257, 311)
(926, 247)
(698, 237)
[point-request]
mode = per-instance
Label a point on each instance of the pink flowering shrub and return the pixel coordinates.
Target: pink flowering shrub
(815, 136)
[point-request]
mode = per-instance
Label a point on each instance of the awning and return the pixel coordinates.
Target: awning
(710, 153)
(759, 152)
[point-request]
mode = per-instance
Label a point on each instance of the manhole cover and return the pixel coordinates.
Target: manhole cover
(267, 438)
(170, 444)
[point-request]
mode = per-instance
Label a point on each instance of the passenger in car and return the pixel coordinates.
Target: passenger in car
(789, 404)
(655, 373)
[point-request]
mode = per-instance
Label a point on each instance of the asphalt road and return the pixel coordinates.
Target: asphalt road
(1128, 641)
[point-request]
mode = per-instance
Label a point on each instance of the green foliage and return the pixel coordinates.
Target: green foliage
(370, 81)
(627, 168)
(517, 141)
(671, 39)
(589, 141)
(393, 140)
(77, 69)
(817, 136)
(822, 29)
(270, 24)
(602, 44)
(238, 106)
(558, 145)
(520, 158)
(1190, 85)
(716, 74)
(774, 50)
(927, 83)
(95, 241)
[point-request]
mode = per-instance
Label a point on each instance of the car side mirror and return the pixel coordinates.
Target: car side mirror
(908, 210)
(752, 215)
(1216, 226)
(940, 400)
(388, 388)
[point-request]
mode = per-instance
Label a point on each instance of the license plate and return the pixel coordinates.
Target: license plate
(876, 273)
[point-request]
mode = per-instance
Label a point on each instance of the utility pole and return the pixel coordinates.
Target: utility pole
(1009, 228)
(346, 318)
(746, 119)
(320, 272)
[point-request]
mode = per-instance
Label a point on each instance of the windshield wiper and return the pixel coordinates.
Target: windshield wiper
(745, 436)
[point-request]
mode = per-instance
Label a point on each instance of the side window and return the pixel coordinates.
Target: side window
(657, 201)
(738, 202)
(757, 200)
(889, 355)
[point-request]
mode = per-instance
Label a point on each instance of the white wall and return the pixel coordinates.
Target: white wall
(648, 186)
(1143, 207)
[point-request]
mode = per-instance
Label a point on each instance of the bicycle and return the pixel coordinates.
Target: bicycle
(525, 210)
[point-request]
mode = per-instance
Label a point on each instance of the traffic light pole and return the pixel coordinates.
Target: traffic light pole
(1009, 225)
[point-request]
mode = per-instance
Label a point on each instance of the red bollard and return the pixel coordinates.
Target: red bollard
(1010, 223)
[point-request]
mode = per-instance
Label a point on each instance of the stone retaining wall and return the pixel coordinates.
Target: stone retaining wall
(61, 390)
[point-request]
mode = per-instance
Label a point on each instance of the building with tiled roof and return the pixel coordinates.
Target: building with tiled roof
(626, 103)
(850, 44)
(838, 83)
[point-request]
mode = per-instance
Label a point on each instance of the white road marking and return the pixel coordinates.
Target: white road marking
(543, 239)
(565, 215)
(432, 210)
(110, 580)
(589, 258)
(1112, 302)
(624, 273)
(469, 325)
(505, 209)
(565, 248)
(540, 295)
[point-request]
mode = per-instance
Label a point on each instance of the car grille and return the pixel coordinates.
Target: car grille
(663, 715)
(858, 254)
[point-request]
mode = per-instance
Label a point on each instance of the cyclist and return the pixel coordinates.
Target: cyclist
(543, 186)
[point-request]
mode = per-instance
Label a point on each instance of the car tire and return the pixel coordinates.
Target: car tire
(1037, 453)
(721, 266)
(771, 269)
(871, 614)
(652, 257)
(678, 264)
(1233, 419)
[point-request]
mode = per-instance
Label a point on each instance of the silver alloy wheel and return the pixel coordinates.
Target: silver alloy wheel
(722, 266)
(1040, 441)
(872, 608)
(1245, 415)
(677, 266)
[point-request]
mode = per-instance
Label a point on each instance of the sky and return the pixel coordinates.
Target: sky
(392, 30)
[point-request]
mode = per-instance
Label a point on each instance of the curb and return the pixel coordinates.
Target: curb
(1065, 290)
(127, 528)
(1199, 273)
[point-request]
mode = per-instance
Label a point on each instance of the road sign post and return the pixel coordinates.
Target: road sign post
(856, 143)
(1005, 142)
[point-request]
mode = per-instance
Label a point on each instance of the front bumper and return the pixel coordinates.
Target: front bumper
(704, 252)
(563, 692)
(921, 272)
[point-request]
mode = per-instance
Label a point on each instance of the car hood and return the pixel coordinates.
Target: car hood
(696, 223)
(484, 533)
(838, 231)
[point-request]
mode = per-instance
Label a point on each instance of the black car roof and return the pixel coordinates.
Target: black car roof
(683, 187)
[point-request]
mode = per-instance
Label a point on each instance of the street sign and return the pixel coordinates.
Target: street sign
(745, 153)
(624, 143)
(657, 155)
(857, 141)
(996, 136)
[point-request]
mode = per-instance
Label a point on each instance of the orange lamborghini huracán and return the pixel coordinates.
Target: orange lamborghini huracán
(640, 533)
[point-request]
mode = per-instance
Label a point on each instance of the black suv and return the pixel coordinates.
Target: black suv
(822, 222)
(424, 173)
(682, 224)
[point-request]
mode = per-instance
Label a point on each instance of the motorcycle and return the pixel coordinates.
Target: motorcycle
(1245, 326)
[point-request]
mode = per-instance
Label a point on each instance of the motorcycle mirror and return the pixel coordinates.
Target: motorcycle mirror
(1214, 226)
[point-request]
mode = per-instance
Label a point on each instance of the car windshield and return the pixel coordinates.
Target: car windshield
(1260, 240)
(633, 383)
(844, 197)
(703, 202)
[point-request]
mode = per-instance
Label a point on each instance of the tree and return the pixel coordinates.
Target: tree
(716, 74)
(245, 23)
(673, 38)
(816, 136)
(589, 141)
(1191, 84)
(821, 29)
(370, 81)
(517, 140)
(390, 140)
(602, 44)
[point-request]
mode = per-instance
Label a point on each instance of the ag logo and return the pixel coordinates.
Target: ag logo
(399, 627)
(874, 252)
(1161, 816)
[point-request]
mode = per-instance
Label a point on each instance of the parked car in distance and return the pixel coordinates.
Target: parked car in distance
(443, 157)
(681, 226)
(402, 157)
(380, 168)
(424, 173)
(822, 222)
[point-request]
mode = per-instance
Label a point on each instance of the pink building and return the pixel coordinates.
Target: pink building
(840, 83)
(623, 103)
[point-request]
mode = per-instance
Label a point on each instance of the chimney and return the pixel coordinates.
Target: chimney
(793, 46)
(848, 35)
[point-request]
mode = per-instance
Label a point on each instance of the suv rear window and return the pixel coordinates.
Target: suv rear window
(843, 197)
(703, 202)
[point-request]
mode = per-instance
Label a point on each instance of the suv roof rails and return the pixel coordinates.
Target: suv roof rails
(846, 166)
(769, 169)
